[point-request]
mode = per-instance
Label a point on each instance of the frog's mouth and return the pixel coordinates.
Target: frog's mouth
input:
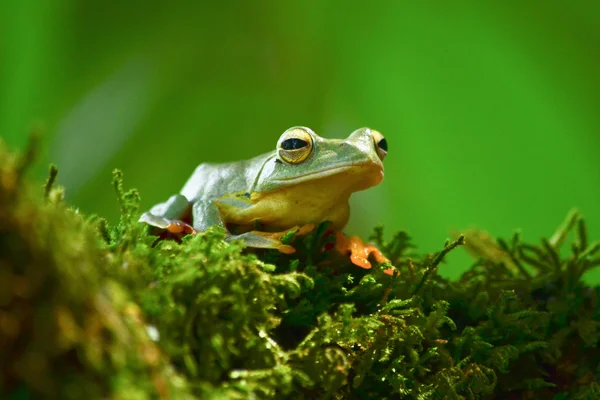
(368, 169)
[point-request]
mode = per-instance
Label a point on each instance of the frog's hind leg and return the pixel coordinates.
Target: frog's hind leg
(360, 252)
(170, 215)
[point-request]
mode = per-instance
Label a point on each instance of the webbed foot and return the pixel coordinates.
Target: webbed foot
(272, 240)
(359, 252)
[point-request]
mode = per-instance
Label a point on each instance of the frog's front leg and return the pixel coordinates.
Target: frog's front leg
(272, 240)
(208, 213)
(359, 252)
(169, 215)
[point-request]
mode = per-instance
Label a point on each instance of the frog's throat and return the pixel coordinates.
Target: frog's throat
(337, 169)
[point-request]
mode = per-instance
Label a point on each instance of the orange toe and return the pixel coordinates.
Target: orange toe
(379, 257)
(286, 249)
(305, 229)
(389, 271)
(180, 226)
(175, 228)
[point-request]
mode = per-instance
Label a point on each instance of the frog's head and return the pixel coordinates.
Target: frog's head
(348, 165)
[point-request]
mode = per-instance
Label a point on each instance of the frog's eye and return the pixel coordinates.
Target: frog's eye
(380, 144)
(295, 145)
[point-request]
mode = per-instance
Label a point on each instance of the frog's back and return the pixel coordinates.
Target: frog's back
(212, 181)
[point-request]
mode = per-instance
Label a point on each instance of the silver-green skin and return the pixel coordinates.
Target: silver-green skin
(346, 165)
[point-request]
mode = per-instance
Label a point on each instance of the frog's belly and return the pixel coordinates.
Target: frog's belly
(282, 210)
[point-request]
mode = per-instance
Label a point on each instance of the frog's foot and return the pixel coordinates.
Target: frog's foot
(297, 230)
(359, 252)
(171, 225)
(263, 240)
(181, 227)
(272, 240)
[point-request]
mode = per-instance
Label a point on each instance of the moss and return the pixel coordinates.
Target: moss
(108, 311)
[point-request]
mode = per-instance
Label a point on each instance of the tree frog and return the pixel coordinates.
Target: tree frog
(306, 180)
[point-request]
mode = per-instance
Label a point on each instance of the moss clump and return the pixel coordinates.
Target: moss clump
(105, 311)
(68, 328)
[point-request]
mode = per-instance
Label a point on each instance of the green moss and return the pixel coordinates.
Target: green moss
(80, 300)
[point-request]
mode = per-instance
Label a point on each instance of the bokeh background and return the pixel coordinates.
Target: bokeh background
(491, 109)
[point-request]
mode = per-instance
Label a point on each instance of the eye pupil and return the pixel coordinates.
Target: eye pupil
(293, 144)
(383, 144)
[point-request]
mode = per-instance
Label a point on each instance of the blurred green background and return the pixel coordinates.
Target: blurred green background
(491, 109)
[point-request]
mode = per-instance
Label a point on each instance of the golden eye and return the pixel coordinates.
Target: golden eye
(380, 144)
(295, 145)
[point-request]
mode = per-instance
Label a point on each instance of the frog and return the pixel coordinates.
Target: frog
(305, 181)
